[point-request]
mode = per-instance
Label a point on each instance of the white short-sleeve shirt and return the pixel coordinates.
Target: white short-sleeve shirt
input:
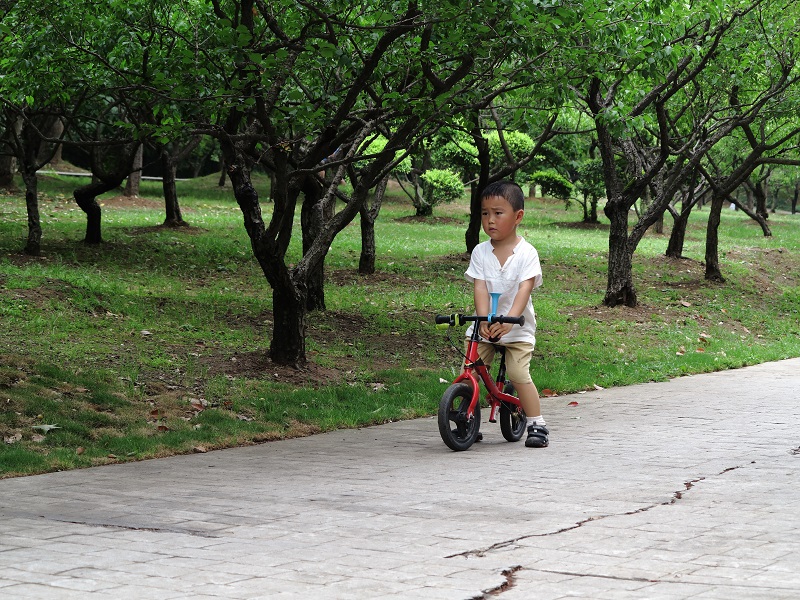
(522, 265)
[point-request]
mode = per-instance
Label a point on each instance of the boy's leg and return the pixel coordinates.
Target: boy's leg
(529, 398)
(518, 358)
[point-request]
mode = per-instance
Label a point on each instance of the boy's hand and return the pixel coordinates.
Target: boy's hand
(494, 331)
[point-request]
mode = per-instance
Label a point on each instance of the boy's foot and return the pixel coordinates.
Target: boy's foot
(537, 436)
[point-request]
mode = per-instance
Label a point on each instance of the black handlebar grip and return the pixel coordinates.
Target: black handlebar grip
(442, 319)
(520, 320)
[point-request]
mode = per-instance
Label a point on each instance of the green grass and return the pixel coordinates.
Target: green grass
(154, 342)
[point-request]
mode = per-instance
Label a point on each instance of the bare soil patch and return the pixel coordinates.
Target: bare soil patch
(581, 225)
(432, 220)
(132, 202)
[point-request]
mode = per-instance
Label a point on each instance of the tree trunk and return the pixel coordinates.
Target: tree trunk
(366, 262)
(52, 153)
(33, 246)
(659, 224)
(473, 233)
(313, 217)
(425, 210)
(713, 272)
(761, 201)
(369, 214)
(288, 299)
(86, 197)
(756, 217)
(678, 235)
(172, 207)
(135, 178)
(795, 196)
(620, 288)
(751, 202)
(290, 321)
(7, 164)
(593, 210)
(222, 173)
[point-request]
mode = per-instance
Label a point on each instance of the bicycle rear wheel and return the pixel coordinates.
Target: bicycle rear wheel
(458, 432)
(512, 418)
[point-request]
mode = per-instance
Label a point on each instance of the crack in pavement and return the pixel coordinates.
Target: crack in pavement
(717, 584)
(68, 519)
(179, 530)
(678, 495)
(510, 575)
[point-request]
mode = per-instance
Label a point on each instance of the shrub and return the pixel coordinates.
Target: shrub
(441, 186)
(552, 184)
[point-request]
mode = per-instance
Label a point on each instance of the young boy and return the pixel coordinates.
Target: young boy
(508, 264)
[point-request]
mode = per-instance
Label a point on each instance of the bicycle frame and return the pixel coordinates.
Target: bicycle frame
(475, 369)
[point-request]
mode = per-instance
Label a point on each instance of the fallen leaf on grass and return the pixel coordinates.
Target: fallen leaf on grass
(548, 393)
(198, 404)
(37, 438)
(79, 450)
(13, 439)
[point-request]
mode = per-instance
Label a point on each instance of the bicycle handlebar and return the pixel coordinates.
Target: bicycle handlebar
(457, 319)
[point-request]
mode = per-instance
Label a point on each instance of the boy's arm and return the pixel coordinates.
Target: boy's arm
(481, 294)
(498, 330)
(521, 299)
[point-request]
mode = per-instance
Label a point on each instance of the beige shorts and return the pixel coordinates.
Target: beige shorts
(518, 359)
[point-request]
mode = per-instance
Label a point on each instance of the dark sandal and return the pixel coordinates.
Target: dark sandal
(537, 436)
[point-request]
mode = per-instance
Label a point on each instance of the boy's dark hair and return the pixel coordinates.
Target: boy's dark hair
(508, 190)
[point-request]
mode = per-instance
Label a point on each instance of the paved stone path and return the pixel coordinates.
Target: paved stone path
(684, 489)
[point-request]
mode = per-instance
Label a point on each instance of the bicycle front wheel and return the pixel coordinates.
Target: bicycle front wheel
(513, 421)
(457, 431)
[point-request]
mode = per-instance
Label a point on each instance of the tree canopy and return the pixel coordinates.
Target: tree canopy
(648, 98)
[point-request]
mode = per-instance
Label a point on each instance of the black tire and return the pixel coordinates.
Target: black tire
(456, 431)
(513, 421)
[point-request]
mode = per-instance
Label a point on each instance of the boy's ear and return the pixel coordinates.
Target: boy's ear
(520, 214)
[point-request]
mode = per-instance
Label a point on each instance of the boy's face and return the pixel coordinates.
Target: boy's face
(499, 219)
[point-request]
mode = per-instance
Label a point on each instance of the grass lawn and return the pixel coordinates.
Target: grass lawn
(154, 342)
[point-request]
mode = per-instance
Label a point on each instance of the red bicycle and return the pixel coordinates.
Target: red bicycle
(460, 410)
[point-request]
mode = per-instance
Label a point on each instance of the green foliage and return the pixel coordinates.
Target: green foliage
(590, 179)
(454, 149)
(519, 144)
(441, 186)
(553, 184)
(378, 144)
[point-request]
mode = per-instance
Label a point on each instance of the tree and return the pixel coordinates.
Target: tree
(647, 131)
(591, 187)
(372, 206)
(327, 78)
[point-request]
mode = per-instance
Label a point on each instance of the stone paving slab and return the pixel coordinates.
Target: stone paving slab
(676, 490)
